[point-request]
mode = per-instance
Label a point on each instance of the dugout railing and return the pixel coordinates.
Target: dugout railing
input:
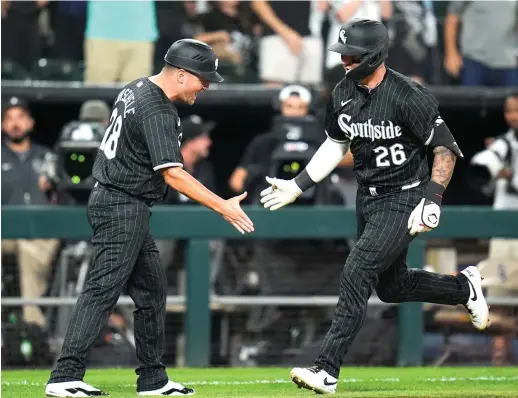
(198, 225)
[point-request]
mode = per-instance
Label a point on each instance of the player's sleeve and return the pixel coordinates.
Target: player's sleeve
(161, 135)
(332, 128)
(419, 116)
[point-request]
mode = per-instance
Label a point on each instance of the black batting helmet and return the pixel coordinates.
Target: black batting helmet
(364, 38)
(196, 57)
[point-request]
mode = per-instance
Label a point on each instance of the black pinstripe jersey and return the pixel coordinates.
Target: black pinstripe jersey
(143, 137)
(388, 129)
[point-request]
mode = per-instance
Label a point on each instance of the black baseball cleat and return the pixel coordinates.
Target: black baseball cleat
(73, 389)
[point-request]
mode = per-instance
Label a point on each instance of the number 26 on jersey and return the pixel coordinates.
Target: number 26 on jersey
(112, 134)
(393, 155)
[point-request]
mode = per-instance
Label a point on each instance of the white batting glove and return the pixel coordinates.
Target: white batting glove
(281, 193)
(424, 217)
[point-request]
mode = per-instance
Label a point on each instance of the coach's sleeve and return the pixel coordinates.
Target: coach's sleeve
(419, 115)
(333, 130)
(161, 134)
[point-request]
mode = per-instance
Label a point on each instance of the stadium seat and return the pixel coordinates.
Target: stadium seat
(57, 70)
(11, 70)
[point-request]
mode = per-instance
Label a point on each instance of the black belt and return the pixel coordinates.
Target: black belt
(377, 191)
(148, 202)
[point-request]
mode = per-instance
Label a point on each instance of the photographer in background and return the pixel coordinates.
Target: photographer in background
(28, 178)
(293, 103)
(497, 167)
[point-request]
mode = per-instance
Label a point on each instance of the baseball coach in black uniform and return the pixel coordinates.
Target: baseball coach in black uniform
(388, 122)
(137, 159)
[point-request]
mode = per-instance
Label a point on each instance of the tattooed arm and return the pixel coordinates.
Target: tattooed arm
(443, 165)
(426, 215)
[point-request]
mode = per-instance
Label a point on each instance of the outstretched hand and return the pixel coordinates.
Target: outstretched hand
(233, 214)
(280, 193)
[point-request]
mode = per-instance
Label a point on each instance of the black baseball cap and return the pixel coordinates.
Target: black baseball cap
(14, 102)
(193, 126)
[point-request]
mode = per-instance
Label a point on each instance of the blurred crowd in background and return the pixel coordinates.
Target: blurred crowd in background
(279, 44)
(276, 42)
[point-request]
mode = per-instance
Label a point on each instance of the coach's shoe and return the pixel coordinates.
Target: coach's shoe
(72, 389)
(170, 389)
(315, 379)
(476, 305)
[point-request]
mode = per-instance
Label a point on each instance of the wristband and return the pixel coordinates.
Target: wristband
(304, 181)
(434, 192)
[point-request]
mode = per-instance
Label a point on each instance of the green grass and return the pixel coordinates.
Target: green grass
(274, 382)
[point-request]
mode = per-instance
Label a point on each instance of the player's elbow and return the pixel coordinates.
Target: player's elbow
(442, 139)
(173, 173)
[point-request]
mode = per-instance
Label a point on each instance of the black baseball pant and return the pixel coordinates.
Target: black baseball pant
(378, 261)
(125, 256)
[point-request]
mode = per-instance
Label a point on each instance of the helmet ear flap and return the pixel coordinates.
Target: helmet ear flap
(376, 60)
(380, 54)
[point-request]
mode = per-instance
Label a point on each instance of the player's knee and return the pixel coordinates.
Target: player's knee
(387, 295)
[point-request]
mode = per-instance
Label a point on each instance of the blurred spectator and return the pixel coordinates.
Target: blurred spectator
(342, 11)
(293, 103)
(28, 170)
(95, 111)
(288, 51)
(119, 40)
(179, 20)
(487, 53)
(231, 17)
(414, 28)
(195, 149)
(499, 163)
(20, 32)
(175, 20)
(68, 21)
